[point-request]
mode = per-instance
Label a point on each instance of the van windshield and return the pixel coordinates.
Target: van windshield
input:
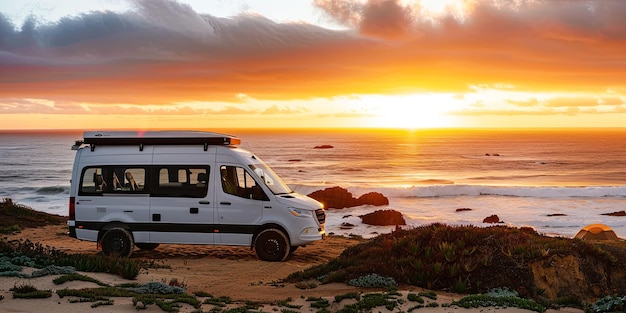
(270, 179)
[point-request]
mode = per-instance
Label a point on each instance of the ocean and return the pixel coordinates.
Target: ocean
(556, 181)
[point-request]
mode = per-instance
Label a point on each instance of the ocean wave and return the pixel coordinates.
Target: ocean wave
(433, 191)
(52, 190)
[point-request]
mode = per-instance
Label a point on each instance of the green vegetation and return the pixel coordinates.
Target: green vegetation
(367, 302)
(75, 276)
(373, 281)
(9, 230)
(29, 292)
(27, 253)
(609, 304)
(485, 300)
(465, 259)
(14, 217)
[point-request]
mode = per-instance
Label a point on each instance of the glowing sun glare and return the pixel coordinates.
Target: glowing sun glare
(412, 112)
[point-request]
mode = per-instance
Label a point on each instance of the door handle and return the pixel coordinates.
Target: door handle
(225, 203)
(204, 202)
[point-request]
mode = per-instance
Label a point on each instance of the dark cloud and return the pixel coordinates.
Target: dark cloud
(164, 52)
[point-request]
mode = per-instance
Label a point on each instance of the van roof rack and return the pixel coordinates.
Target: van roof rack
(141, 138)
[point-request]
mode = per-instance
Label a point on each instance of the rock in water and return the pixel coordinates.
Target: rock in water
(383, 218)
(339, 198)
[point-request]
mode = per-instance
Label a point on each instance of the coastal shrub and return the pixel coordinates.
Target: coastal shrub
(157, 288)
(14, 216)
(465, 259)
(9, 229)
(218, 301)
(414, 298)
(34, 254)
(373, 280)
(318, 303)
(370, 301)
(428, 294)
(76, 276)
(29, 292)
(609, 304)
(102, 302)
(349, 295)
(485, 300)
(285, 303)
(171, 303)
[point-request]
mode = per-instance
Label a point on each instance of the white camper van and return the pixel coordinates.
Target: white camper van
(141, 189)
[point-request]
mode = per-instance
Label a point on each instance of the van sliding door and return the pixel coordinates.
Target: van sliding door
(181, 202)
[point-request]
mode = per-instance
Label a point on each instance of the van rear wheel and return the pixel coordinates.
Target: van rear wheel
(272, 245)
(146, 246)
(117, 242)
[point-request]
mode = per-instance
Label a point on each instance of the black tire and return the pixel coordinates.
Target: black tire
(272, 245)
(292, 249)
(117, 242)
(146, 246)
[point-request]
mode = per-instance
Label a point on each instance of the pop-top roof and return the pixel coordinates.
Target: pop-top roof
(142, 138)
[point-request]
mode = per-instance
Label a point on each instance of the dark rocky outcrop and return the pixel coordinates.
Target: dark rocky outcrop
(323, 147)
(463, 209)
(492, 219)
(339, 198)
(383, 218)
(372, 198)
(618, 213)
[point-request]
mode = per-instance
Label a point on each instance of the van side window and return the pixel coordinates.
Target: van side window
(131, 180)
(92, 181)
(238, 182)
(181, 181)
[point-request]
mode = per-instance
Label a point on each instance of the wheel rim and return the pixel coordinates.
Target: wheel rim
(117, 244)
(271, 246)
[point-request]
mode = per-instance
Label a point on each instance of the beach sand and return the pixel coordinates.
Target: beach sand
(221, 271)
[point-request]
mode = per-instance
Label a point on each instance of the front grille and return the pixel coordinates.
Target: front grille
(321, 216)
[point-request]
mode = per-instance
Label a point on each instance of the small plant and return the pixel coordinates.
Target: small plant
(370, 301)
(285, 303)
(460, 285)
(485, 300)
(609, 304)
(102, 302)
(414, 298)
(157, 288)
(220, 302)
(75, 276)
(202, 294)
(448, 250)
(9, 230)
(373, 280)
(318, 303)
(428, 294)
(30, 292)
(349, 295)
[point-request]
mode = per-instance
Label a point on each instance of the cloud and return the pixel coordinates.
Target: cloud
(163, 52)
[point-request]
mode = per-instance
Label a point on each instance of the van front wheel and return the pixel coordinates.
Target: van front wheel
(272, 245)
(117, 242)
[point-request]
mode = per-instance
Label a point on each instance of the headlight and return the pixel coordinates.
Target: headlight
(300, 212)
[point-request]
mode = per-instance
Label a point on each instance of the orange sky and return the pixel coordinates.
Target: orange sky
(391, 64)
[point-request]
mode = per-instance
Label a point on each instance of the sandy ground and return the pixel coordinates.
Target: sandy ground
(221, 271)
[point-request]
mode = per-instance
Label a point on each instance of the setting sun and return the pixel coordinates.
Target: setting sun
(414, 112)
